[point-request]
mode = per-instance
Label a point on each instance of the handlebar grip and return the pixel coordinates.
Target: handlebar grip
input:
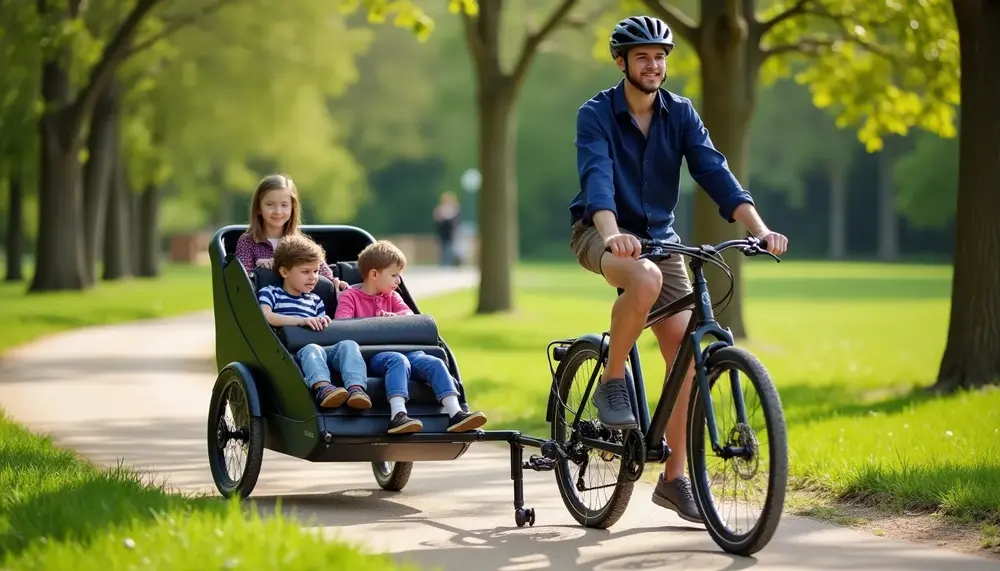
(763, 244)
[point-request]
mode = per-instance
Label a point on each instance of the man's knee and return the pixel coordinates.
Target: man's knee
(643, 281)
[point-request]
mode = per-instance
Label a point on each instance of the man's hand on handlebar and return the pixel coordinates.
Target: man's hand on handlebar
(775, 243)
(623, 246)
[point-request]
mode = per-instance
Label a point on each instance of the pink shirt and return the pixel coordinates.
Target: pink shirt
(354, 303)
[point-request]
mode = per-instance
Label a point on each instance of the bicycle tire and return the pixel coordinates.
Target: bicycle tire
(726, 359)
(612, 511)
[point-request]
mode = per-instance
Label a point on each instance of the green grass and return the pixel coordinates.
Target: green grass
(180, 289)
(58, 511)
(848, 345)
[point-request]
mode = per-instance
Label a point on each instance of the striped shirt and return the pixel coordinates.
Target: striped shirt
(280, 301)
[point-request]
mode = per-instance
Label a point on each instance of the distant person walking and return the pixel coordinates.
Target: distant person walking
(446, 217)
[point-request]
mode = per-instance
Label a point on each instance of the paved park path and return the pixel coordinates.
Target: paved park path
(140, 392)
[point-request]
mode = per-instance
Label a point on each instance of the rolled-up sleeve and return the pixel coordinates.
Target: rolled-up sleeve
(708, 166)
(593, 162)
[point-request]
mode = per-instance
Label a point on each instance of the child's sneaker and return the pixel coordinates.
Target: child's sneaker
(358, 399)
(330, 396)
(465, 421)
(402, 424)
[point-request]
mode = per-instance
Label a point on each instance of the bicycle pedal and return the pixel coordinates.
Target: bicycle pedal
(539, 463)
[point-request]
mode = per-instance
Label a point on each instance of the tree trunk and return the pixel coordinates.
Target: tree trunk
(60, 255)
(147, 223)
(498, 199)
(888, 221)
(117, 241)
(729, 68)
(61, 237)
(15, 228)
(97, 172)
(838, 211)
(972, 353)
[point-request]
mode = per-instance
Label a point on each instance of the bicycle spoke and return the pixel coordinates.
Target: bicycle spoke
(738, 485)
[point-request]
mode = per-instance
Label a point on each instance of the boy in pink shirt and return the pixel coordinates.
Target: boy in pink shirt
(380, 265)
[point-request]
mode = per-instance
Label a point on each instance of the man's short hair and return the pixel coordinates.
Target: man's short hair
(379, 256)
(297, 249)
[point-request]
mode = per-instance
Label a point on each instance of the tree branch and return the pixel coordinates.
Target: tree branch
(473, 40)
(682, 24)
(847, 35)
(534, 39)
(810, 45)
(112, 56)
(173, 26)
(797, 9)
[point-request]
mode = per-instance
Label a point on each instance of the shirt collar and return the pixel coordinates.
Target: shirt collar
(620, 106)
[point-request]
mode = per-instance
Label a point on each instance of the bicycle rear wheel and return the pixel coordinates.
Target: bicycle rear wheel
(763, 474)
(592, 483)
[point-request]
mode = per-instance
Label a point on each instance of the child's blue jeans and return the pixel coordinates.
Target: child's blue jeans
(397, 367)
(344, 357)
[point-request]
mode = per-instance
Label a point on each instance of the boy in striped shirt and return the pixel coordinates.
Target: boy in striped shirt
(297, 260)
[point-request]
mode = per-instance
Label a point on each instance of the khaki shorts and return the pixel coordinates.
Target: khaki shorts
(588, 247)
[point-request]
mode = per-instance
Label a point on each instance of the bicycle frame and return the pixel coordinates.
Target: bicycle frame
(701, 324)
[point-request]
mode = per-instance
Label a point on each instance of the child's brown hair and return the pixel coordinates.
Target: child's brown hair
(267, 184)
(296, 249)
(379, 256)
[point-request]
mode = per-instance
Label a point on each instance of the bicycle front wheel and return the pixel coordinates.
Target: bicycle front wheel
(741, 497)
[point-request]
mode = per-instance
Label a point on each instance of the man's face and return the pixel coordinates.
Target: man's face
(647, 67)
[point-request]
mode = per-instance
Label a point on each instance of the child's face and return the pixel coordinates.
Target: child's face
(301, 278)
(385, 280)
(276, 209)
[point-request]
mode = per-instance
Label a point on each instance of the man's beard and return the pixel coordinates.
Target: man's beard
(638, 85)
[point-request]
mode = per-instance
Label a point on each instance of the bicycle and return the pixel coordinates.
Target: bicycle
(633, 448)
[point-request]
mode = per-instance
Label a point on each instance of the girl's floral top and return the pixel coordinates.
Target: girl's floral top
(248, 252)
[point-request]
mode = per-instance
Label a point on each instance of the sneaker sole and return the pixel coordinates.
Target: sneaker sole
(334, 399)
(360, 403)
(412, 426)
(470, 423)
(666, 503)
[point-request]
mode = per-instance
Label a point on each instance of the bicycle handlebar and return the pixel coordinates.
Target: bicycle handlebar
(749, 246)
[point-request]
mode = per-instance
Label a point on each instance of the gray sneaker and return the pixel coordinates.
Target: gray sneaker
(676, 495)
(613, 408)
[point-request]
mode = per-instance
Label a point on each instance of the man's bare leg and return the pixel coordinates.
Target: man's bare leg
(673, 491)
(640, 281)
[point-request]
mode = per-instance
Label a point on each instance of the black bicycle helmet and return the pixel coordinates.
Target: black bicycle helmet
(639, 31)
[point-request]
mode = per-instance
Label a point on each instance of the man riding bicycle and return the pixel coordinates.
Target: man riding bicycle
(630, 141)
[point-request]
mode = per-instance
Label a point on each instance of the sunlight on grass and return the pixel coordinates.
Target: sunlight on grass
(846, 344)
(57, 512)
(180, 289)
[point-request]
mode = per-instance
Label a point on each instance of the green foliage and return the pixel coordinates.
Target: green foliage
(408, 14)
(20, 34)
(883, 67)
(247, 93)
(926, 181)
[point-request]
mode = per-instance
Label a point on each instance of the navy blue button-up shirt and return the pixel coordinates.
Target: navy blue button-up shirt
(637, 178)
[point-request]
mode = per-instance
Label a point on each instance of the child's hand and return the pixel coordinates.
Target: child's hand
(316, 323)
(266, 263)
(339, 284)
(384, 313)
